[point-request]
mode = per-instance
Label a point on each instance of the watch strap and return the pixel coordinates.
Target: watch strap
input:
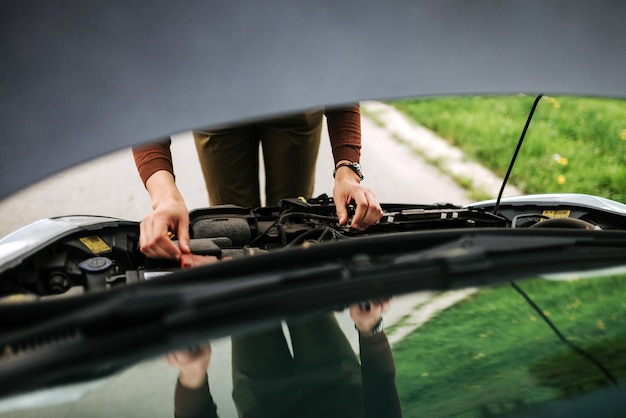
(356, 167)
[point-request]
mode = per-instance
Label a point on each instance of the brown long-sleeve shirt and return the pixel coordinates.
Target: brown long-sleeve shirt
(344, 129)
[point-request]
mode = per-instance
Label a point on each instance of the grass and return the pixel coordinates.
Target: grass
(492, 353)
(573, 144)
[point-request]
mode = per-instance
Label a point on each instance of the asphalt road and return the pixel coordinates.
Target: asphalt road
(110, 186)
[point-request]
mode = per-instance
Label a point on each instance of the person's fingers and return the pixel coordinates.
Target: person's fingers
(355, 310)
(188, 260)
(196, 356)
(154, 240)
(163, 247)
(380, 305)
(341, 209)
(375, 311)
(386, 305)
(143, 235)
(207, 351)
(183, 237)
(368, 210)
(374, 211)
(176, 358)
(362, 206)
(170, 359)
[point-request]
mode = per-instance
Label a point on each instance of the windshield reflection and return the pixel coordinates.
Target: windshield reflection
(473, 352)
(317, 374)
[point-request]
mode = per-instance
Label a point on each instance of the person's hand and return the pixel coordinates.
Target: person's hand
(188, 261)
(169, 216)
(193, 364)
(366, 319)
(348, 189)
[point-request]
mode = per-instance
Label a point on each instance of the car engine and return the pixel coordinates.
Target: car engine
(106, 254)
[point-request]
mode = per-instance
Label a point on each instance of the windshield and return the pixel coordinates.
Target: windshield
(496, 350)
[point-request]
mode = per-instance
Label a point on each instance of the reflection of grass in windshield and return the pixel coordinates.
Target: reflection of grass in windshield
(492, 353)
(573, 145)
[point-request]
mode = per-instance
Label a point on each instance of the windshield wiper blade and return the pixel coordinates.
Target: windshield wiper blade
(497, 253)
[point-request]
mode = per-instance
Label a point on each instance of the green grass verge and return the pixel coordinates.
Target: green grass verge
(492, 353)
(573, 145)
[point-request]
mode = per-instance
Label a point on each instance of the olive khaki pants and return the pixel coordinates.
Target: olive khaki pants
(230, 159)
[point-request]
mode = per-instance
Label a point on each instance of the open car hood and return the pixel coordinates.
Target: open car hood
(79, 80)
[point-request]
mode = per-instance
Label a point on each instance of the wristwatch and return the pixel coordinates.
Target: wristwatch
(356, 167)
(378, 328)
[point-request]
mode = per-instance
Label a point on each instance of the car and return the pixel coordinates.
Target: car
(515, 303)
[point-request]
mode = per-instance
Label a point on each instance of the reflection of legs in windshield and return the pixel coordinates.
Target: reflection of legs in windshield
(322, 378)
(327, 370)
(263, 374)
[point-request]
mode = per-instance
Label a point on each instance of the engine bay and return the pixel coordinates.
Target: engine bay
(106, 254)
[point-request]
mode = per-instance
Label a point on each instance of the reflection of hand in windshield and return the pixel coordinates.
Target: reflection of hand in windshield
(368, 317)
(192, 397)
(193, 364)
